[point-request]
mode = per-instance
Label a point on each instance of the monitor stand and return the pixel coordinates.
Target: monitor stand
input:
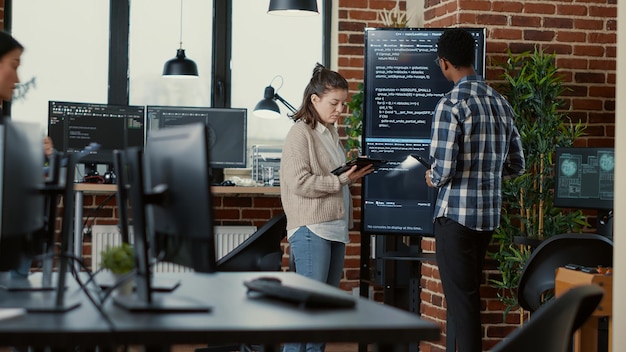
(145, 298)
(160, 303)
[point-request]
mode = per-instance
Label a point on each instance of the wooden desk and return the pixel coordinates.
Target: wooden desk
(235, 318)
(217, 190)
(586, 338)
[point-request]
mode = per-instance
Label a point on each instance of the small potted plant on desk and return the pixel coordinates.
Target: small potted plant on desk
(119, 260)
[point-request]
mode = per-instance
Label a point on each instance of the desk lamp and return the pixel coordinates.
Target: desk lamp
(180, 66)
(293, 7)
(267, 107)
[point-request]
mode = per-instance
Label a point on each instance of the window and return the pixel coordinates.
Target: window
(67, 55)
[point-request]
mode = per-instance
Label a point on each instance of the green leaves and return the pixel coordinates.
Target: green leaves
(354, 123)
(118, 259)
(533, 86)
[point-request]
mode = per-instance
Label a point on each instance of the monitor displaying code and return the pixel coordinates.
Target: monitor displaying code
(403, 83)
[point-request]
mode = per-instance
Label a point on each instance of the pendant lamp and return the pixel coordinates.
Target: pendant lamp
(180, 66)
(293, 7)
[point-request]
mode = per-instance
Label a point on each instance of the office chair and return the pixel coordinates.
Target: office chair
(259, 252)
(538, 275)
(551, 328)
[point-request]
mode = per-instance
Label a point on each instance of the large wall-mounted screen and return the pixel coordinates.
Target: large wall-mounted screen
(403, 84)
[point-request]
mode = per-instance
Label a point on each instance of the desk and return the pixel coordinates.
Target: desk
(235, 318)
(586, 338)
(94, 188)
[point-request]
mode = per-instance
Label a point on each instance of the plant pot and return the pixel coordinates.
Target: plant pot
(125, 288)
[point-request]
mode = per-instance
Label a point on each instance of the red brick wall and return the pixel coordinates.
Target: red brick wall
(582, 34)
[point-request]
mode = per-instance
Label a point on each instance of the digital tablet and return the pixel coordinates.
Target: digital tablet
(360, 162)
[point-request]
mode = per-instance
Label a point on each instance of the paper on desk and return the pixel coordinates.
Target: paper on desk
(8, 313)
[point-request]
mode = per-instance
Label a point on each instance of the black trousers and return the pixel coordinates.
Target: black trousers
(460, 254)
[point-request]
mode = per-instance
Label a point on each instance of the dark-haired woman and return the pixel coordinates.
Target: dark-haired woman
(317, 203)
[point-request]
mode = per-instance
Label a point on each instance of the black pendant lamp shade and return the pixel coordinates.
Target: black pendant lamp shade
(293, 7)
(180, 66)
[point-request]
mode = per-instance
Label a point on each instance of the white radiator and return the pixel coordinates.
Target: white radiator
(227, 238)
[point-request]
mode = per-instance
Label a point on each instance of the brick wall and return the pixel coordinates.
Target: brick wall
(583, 35)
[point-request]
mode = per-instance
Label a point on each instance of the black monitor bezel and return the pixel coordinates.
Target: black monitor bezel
(578, 203)
(104, 154)
(155, 123)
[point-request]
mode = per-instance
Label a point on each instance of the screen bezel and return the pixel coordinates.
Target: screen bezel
(405, 204)
(228, 131)
(563, 201)
(119, 137)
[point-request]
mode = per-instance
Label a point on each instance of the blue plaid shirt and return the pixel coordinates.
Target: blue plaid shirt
(475, 145)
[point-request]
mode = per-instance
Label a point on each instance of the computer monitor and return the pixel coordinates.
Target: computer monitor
(227, 131)
(171, 205)
(21, 186)
(23, 193)
(584, 178)
(73, 126)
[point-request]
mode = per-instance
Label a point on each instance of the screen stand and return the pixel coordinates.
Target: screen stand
(145, 299)
(605, 223)
(45, 303)
(217, 175)
(161, 303)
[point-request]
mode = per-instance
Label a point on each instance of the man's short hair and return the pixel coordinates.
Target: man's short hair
(457, 46)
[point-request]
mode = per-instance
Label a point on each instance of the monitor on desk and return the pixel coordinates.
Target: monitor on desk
(584, 178)
(73, 126)
(170, 197)
(227, 128)
(21, 196)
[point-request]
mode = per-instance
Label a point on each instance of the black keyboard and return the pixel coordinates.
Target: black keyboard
(273, 288)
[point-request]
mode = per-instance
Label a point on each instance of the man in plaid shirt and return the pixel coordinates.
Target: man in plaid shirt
(475, 145)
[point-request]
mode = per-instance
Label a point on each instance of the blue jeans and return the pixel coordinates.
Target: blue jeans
(23, 269)
(320, 260)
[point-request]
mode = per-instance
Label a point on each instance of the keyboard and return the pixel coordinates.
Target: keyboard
(273, 288)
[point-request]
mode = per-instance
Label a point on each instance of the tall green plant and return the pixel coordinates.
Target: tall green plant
(534, 87)
(354, 123)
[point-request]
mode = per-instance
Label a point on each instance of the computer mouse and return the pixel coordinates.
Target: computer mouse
(268, 279)
(227, 183)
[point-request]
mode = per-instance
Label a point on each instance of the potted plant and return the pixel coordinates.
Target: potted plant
(119, 260)
(534, 87)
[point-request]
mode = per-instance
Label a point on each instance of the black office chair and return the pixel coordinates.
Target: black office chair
(537, 277)
(259, 252)
(552, 326)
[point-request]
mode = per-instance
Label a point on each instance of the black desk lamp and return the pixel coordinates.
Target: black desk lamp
(267, 107)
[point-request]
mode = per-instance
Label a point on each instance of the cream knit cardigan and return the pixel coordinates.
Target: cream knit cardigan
(309, 192)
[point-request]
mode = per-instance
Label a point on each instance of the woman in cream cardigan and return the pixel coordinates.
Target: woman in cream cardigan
(317, 203)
